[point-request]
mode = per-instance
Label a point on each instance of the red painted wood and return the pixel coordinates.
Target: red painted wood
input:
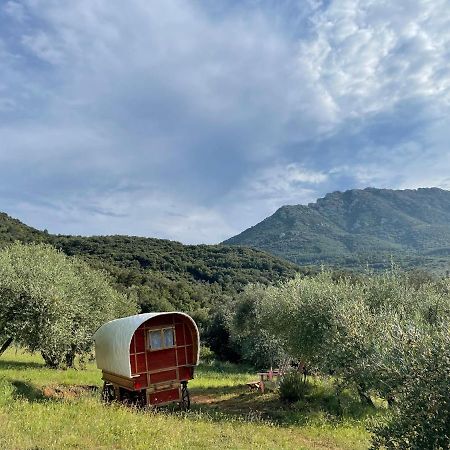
(190, 354)
(168, 375)
(166, 365)
(160, 359)
(179, 333)
(140, 363)
(140, 382)
(158, 321)
(181, 356)
(185, 373)
(140, 341)
(170, 395)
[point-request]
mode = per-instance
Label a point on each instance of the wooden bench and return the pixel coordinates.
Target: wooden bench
(253, 385)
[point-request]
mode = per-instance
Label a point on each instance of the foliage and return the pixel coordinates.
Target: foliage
(53, 304)
(206, 354)
(421, 416)
(293, 387)
(382, 334)
(249, 337)
(360, 228)
(164, 275)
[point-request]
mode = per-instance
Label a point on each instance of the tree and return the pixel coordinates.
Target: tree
(384, 334)
(53, 303)
(254, 342)
(421, 416)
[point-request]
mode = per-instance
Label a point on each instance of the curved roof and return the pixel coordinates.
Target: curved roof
(113, 339)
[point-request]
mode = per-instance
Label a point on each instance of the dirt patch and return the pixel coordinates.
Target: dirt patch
(68, 392)
(204, 399)
(240, 401)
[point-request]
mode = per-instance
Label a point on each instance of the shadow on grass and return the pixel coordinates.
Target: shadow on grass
(239, 402)
(23, 390)
(7, 364)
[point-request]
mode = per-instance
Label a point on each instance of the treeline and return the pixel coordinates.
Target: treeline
(162, 275)
(165, 275)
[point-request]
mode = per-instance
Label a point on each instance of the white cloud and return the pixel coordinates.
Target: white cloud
(128, 210)
(283, 181)
(364, 57)
(199, 108)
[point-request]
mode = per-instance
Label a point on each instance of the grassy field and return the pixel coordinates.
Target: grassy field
(49, 409)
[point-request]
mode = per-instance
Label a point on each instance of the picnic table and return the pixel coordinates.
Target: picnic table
(271, 376)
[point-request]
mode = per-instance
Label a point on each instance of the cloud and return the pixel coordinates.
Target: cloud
(132, 210)
(283, 183)
(118, 119)
(15, 10)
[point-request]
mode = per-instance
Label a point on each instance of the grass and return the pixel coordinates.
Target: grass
(42, 408)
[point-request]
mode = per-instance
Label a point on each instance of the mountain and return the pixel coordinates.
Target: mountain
(163, 274)
(358, 227)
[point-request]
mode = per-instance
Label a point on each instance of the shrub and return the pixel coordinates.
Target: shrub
(293, 387)
(206, 354)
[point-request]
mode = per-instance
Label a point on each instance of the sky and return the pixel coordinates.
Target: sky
(193, 120)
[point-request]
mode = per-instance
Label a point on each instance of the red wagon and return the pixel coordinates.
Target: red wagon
(148, 359)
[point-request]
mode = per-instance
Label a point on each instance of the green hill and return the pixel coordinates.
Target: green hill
(358, 228)
(163, 274)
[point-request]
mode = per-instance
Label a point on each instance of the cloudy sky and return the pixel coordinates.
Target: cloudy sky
(195, 119)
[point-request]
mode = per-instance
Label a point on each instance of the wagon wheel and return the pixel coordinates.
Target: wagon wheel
(108, 394)
(185, 402)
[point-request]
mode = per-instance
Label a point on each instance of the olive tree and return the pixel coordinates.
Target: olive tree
(382, 334)
(421, 415)
(53, 303)
(255, 343)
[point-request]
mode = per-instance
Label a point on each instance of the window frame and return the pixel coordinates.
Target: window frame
(163, 342)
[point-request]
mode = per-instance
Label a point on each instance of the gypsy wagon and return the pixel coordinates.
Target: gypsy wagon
(148, 359)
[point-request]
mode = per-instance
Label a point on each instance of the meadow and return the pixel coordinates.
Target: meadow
(43, 408)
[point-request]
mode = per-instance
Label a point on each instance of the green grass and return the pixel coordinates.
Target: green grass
(42, 408)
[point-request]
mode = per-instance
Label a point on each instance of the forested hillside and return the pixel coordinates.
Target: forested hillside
(357, 228)
(164, 274)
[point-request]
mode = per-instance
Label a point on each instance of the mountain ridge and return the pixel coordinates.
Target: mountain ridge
(359, 227)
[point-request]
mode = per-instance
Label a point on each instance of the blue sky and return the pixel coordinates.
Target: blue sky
(193, 120)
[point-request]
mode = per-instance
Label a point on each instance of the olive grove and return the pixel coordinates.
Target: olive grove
(381, 334)
(52, 303)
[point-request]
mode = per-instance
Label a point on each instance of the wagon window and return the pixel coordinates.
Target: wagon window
(162, 338)
(168, 337)
(155, 339)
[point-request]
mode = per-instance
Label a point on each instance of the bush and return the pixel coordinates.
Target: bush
(293, 387)
(206, 354)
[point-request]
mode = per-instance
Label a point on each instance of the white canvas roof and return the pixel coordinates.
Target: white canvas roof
(112, 342)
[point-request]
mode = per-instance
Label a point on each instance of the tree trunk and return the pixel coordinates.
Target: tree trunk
(5, 345)
(70, 357)
(51, 362)
(363, 396)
